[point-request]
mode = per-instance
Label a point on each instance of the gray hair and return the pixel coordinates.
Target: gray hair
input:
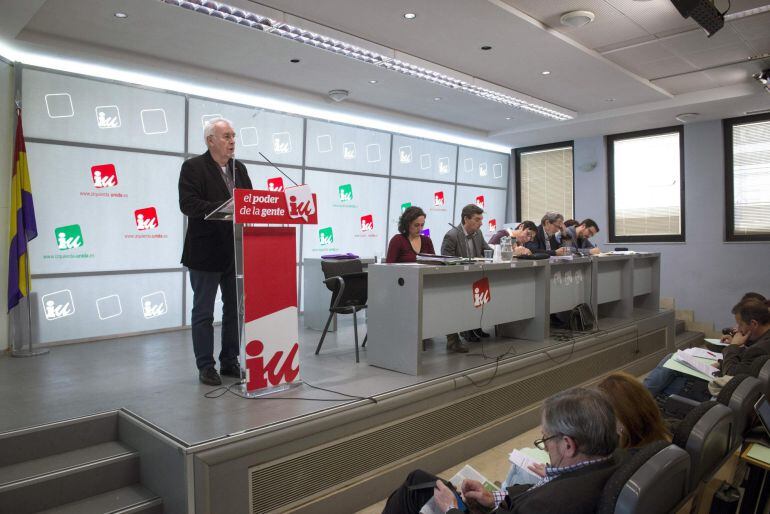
(584, 415)
(208, 128)
(551, 217)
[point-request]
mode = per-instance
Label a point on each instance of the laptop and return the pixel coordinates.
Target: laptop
(762, 408)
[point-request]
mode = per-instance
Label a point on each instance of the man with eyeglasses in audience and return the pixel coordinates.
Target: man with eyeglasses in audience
(580, 436)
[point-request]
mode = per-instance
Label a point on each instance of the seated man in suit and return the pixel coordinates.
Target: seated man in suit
(465, 240)
(580, 436)
(578, 237)
(545, 239)
(752, 340)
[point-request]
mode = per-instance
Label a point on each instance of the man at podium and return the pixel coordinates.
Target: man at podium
(205, 182)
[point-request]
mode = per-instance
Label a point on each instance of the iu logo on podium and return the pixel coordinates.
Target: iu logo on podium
(273, 372)
(481, 293)
(146, 218)
(367, 223)
(275, 184)
(104, 175)
(438, 199)
(480, 201)
(493, 225)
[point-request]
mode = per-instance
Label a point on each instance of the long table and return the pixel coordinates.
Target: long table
(412, 302)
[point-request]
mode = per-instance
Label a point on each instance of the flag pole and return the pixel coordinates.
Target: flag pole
(30, 351)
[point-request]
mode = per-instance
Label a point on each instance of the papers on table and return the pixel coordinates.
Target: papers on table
(690, 365)
(426, 258)
(702, 353)
(716, 342)
(525, 457)
(759, 454)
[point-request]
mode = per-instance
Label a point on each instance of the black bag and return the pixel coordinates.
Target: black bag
(725, 500)
(581, 318)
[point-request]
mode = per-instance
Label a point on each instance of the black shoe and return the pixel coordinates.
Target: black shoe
(209, 376)
(470, 336)
(480, 333)
(233, 370)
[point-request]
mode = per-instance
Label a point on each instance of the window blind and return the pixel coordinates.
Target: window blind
(546, 183)
(751, 178)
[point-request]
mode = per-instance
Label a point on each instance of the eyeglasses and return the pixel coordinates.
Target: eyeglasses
(540, 443)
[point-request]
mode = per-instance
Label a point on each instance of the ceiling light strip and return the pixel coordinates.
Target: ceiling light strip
(286, 31)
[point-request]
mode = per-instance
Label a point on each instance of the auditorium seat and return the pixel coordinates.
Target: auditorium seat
(740, 394)
(706, 435)
(760, 369)
(654, 479)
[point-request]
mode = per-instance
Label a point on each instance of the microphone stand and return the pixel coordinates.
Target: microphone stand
(279, 169)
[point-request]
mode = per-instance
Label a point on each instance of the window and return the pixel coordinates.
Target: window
(646, 185)
(544, 178)
(747, 178)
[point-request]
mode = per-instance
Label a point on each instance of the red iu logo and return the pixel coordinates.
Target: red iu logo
(275, 184)
(261, 375)
(438, 199)
(481, 294)
(480, 201)
(493, 225)
(367, 223)
(146, 219)
(104, 175)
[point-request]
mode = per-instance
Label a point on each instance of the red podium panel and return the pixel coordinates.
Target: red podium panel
(270, 307)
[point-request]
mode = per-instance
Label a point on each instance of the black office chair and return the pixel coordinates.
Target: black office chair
(348, 284)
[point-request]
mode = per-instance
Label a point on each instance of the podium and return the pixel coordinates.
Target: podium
(266, 282)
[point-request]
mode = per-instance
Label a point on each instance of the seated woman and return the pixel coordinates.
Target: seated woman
(639, 421)
(405, 245)
(522, 234)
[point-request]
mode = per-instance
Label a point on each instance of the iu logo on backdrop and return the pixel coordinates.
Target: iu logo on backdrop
(481, 293)
(493, 225)
(405, 206)
(146, 219)
(325, 236)
(367, 223)
(104, 175)
(438, 199)
(480, 201)
(69, 237)
(275, 184)
(345, 192)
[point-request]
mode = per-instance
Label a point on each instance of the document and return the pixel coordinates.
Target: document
(703, 353)
(467, 472)
(716, 342)
(526, 457)
(693, 366)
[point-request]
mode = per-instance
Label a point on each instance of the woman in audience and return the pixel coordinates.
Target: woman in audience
(522, 234)
(405, 245)
(639, 422)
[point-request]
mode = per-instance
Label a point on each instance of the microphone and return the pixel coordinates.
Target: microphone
(279, 169)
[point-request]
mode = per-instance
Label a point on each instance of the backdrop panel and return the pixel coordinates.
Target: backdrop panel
(423, 158)
(347, 148)
(491, 200)
(482, 167)
(437, 200)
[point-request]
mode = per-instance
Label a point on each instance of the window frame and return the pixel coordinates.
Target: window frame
(517, 171)
(727, 131)
(610, 145)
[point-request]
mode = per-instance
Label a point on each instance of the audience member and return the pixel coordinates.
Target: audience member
(752, 340)
(579, 434)
(409, 241)
(730, 332)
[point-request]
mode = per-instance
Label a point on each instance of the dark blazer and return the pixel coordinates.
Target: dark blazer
(454, 243)
(208, 245)
(737, 360)
(576, 492)
(537, 245)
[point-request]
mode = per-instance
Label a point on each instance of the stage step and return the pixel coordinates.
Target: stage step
(133, 499)
(688, 339)
(681, 326)
(72, 466)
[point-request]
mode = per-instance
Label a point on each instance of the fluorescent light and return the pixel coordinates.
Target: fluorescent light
(372, 82)
(545, 72)
(121, 15)
(286, 31)
(410, 16)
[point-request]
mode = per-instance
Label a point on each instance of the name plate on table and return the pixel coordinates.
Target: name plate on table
(293, 206)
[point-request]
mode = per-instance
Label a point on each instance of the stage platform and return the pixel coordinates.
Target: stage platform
(307, 448)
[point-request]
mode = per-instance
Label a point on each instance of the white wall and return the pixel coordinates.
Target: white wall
(704, 274)
(6, 156)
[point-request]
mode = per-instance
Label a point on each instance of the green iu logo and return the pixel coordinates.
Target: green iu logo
(68, 237)
(405, 206)
(346, 193)
(326, 236)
